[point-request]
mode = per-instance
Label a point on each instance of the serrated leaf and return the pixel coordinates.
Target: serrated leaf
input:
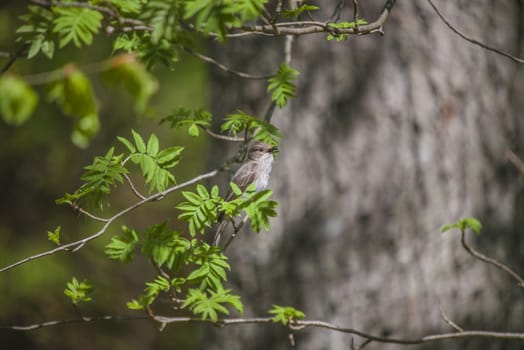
(78, 291)
(127, 143)
(76, 24)
(152, 145)
(139, 142)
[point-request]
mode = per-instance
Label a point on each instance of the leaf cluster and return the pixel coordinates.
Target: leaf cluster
(44, 28)
(153, 162)
(281, 86)
(218, 16)
(193, 119)
(296, 12)
(99, 178)
(78, 291)
(242, 122)
(285, 314)
(184, 264)
(17, 100)
(342, 25)
(200, 209)
(464, 224)
(106, 172)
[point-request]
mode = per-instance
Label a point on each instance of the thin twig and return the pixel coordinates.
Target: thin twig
(336, 13)
(515, 160)
(222, 137)
(235, 232)
(133, 188)
(449, 321)
(489, 260)
(31, 327)
(225, 68)
(74, 246)
(355, 14)
(311, 27)
(12, 58)
(88, 214)
(474, 41)
(269, 320)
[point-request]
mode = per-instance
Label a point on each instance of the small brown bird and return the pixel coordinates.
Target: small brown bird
(256, 169)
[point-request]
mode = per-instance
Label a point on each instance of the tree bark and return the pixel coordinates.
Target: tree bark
(390, 137)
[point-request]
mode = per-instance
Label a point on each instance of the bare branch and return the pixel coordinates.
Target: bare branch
(336, 13)
(225, 68)
(31, 327)
(515, 160)
(74, 246)
(88, 214)
(133, 188)
(222, 137)
(489, 260)
(448, 320)
(355, 15)
(165, 320)
(474, 41)
(13, 57)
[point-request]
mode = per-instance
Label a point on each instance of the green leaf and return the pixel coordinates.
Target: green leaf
(213, 266)
(285, 314)
(296, 12)
(54, 236)
(17, 100)
(37, 31)
(154, 163)
(151, 292)
(335, 34)
(241, 121)
(125, 69)
(127, 143)
(74, 94)
(152, 145)
(259, 209)
(139, 142)
(122, 247)
(209, 305)
(76, 24)
(165, 247)
(464, 224)
(281, 85)
(78, 291)
(99, 179)
(128, 6)
(200, 210)
(193, 119)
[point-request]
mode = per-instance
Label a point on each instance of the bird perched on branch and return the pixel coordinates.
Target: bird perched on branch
(256, 169)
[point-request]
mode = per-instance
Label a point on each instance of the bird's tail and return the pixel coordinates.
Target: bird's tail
(218, 233)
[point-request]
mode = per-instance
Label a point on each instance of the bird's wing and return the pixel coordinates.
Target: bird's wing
(243, 178)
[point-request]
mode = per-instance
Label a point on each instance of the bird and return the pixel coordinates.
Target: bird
(256, 169)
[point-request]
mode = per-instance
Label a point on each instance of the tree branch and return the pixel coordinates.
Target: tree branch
(74, 246)
(13, 57)
(515, 160)
(489, 260)
(222, 137)
(297, 326)
(225, 68)
(474, 41)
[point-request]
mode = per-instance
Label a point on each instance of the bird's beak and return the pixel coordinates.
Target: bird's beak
(274, 149)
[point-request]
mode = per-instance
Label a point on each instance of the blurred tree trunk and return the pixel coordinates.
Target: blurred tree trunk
(390, 137)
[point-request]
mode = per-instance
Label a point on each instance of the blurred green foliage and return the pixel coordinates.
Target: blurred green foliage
(39, 163)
